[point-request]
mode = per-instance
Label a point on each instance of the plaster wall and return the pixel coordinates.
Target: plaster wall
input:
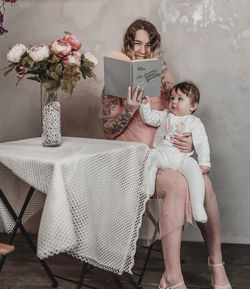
(206, 41)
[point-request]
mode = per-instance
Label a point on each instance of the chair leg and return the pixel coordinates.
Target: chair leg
(18, 221)
(144, 266)
(83, 271)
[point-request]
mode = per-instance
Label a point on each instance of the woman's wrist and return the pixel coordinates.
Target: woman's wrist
(128, 113)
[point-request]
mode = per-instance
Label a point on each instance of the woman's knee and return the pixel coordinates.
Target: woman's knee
(170, 182)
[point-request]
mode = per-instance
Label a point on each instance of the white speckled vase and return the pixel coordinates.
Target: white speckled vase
(50, 119)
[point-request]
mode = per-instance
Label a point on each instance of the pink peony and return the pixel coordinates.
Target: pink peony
(73, 58)
(20, 71)
(73, 41)
(60, 48)
(16, 52)
(39, 52)
(91, 57)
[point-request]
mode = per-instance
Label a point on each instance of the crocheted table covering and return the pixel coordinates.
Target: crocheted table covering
(94, 195)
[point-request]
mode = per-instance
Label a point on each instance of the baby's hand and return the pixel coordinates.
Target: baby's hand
(145, 100)
(205, 170)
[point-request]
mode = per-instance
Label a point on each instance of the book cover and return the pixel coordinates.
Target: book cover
(120, 72)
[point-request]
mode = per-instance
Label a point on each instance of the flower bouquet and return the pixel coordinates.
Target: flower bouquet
(58, 66)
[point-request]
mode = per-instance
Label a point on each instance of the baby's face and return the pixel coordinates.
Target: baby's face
(180, 104)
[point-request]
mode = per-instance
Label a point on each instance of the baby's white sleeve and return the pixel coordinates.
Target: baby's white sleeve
(151, 117)
(201, 144)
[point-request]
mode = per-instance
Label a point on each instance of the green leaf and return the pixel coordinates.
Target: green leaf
(67, 86)
(58, 69)
(34, 78)
(9, 68)
(52, 90)
(93, 75)
(88, 63)
(48, 73)
(54, 75)
(88, 73)
(30, 61)
(51, 84)
(55, 59)
(83, 75)
(63, 85)
(52, 67)
(70, 87)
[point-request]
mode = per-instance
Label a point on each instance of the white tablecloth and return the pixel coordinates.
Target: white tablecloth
(95, 192)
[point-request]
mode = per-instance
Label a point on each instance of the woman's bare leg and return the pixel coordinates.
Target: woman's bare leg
(173, 193)
(211, 233)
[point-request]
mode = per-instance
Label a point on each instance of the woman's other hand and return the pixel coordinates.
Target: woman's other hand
(205, 170)
(133, 102)
(184, 142)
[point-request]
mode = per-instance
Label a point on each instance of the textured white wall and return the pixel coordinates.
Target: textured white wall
(206, 41)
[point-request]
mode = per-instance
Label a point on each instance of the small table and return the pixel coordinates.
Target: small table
(95, 190)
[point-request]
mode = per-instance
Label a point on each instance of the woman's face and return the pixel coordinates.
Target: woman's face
(142, 46)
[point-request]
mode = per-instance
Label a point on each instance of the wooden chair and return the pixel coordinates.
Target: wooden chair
(6, 249)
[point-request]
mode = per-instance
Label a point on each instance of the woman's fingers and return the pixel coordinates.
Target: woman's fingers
(139, 97)
(129, 94)
(186, 134)
(135, 95)
(183, 143)
(182, 148)
(133, 103)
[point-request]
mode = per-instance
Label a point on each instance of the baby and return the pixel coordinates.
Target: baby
(176, 120)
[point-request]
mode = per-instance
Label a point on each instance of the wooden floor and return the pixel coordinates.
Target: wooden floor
(22, 270)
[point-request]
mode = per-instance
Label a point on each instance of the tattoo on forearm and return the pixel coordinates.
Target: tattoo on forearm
(117, 125)
(120, 123)
(109, 103)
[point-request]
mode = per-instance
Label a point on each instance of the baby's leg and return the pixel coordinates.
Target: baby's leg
(155, 163)
(192, 172)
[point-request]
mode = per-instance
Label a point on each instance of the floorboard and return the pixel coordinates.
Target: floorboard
(22, 271)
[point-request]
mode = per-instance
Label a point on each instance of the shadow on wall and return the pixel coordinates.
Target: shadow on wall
(80, 117)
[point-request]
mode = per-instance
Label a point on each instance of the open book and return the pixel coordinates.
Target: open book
(120, 72)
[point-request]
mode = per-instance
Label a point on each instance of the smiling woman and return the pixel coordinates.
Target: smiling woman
(142, 47)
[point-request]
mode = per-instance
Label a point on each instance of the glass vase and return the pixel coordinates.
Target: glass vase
(50, 119)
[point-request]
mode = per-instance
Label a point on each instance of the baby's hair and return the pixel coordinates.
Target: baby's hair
(190, 89)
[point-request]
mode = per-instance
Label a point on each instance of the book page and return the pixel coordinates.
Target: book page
(118, 55)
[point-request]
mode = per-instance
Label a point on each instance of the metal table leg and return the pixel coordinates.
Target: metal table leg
(18, 224)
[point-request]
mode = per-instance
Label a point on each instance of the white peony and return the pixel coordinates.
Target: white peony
(91, 57)
(16, 52)
(39, 52)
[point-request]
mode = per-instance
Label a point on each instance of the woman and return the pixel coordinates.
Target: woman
(122, 121)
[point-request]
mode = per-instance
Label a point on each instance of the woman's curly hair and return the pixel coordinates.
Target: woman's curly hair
(155, 41)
